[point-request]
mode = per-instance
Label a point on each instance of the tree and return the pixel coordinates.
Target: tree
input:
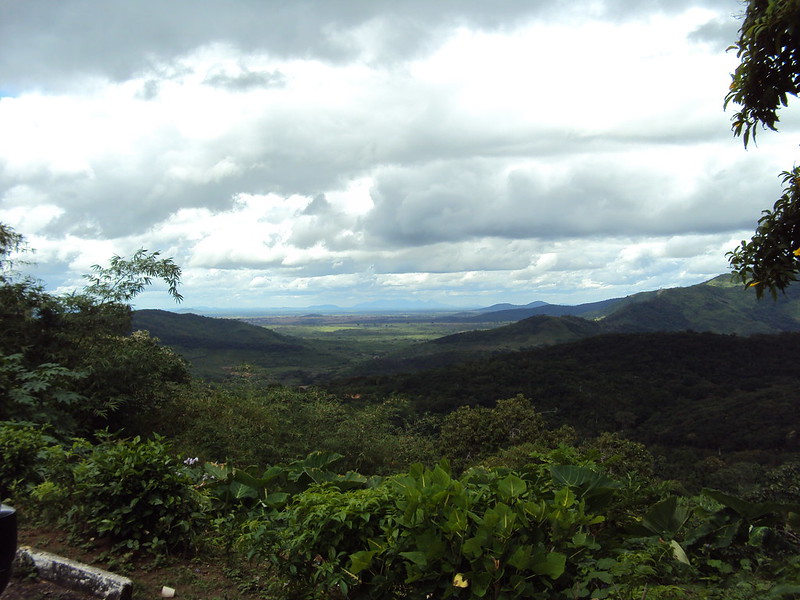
(124, 279)
(10, 242)
(769, 72)
(71, 361)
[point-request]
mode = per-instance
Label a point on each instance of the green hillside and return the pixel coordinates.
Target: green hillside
(474, 345)
(215, 347)
(704, 390)
(717, 306)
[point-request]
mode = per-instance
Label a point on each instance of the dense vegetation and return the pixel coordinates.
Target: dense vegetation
(523, 476)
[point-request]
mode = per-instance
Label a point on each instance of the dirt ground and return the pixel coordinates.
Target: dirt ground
(38, 589)
(193, 578)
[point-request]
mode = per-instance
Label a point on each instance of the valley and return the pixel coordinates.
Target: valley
(313, 348)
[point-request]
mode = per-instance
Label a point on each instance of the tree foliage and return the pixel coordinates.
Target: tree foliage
(70, 361)
(769, 261)
(769, 51)
(769, 72)
(124, 279)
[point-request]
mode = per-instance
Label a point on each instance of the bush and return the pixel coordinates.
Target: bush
(20, 447)
(138, 495)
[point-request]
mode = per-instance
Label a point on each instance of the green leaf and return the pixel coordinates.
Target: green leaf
(551, 564)
(581, 477)
(361, 560)
(665, 518)
(521, 557)
(276, 499)
(511, 487)
(416, 557)
(750, 510)
(473, 547)
(480, 583)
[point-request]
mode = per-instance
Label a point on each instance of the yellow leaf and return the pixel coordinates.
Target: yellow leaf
(459, 581)
(796, 252)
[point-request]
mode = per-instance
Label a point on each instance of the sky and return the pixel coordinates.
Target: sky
(457, 152)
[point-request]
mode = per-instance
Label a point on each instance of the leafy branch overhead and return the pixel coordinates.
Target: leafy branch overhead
(124, 279)
(769, 50)
(769, 261)
(768, 73)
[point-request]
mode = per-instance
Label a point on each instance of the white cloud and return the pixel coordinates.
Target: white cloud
(443, 150)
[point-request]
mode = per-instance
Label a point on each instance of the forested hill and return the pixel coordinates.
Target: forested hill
(190, 330)
(214, 346)
(699, 389)
(717, 306)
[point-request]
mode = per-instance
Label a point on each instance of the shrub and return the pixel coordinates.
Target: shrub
(20, 447)
(139, 495)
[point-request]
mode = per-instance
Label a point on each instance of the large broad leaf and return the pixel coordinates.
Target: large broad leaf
(318, 460)
(244, 478)
(521, 558)
(750, 511)
(240, 491)
(592, 486)
(276, 499)
(217, 471)
(581, 477)
(480, 583)
(473, 547)
(665, 518)
(511, 487)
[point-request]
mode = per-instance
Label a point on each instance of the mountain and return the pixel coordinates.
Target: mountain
(216, 346)
(504, 315)
(507, 306)
(717, 306)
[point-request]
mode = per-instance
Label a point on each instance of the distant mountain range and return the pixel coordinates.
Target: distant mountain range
(717, 306)
(500, 313)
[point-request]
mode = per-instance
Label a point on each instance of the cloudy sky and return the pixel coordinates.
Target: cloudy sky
(464, 152)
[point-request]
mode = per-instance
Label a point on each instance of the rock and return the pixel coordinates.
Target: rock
(77, 576)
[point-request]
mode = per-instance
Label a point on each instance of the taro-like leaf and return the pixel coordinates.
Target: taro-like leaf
(511, 487)
(750, 511)
(318, 460)
(581, 477)
(665, 518)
